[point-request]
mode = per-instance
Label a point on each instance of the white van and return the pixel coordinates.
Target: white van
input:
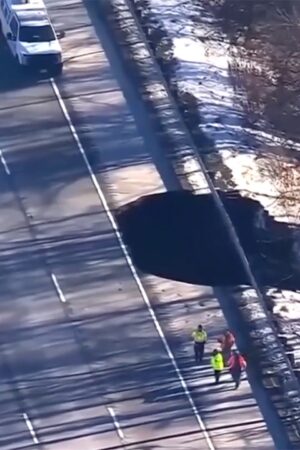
(30, 35)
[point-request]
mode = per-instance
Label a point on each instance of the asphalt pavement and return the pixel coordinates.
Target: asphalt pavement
(83, 360)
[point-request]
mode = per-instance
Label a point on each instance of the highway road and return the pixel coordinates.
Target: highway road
(85, 359)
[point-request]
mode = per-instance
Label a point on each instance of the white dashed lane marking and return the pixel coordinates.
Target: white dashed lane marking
(116, 422)
(30, 428)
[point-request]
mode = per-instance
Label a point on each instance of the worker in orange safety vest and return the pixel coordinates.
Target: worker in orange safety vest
(236, 364)
(227, 341)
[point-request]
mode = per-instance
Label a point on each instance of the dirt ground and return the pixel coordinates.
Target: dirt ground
(264, 52)
(265, 38)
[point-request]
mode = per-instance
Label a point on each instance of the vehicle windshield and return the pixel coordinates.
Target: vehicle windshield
(36, 34)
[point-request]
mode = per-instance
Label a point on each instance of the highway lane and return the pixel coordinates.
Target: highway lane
(14, 433)
(82, 249)
(49, 377)
(105, 311)
(77, 361)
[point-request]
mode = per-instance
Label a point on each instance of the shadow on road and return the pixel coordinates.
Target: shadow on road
(181, 236)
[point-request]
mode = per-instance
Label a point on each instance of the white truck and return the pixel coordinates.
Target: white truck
(30, 36)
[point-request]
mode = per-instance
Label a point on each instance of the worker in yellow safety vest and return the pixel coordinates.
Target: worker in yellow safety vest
(200, 338)
(217, 363)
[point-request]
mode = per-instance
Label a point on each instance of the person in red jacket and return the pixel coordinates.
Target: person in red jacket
(236, 365)
(227, 341)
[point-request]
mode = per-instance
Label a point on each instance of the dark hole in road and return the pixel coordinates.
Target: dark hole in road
(181, 236)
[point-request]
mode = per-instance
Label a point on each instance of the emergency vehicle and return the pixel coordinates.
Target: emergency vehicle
(30, 36)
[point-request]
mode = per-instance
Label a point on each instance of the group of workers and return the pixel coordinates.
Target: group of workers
(223, 356)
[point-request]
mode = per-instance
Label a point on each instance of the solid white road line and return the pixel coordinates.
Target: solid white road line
(60, 293)
(130, 264)
(116, 422)
(6, 168)
(30, 428)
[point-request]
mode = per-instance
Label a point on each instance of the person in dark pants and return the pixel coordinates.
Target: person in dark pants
(200, 339)
(217, 363)
(236, 365)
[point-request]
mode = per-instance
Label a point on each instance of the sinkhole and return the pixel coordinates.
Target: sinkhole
(181, 236)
